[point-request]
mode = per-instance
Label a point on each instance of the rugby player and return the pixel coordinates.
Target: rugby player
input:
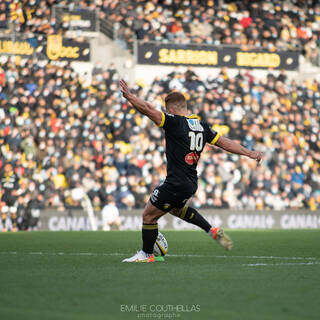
(10, 185)
(185, 137)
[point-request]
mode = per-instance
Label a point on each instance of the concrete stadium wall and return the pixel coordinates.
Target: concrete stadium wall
(231, 219)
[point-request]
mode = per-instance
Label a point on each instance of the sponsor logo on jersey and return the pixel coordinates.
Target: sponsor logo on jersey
(155, 195)
(191, 158)
(195, 125)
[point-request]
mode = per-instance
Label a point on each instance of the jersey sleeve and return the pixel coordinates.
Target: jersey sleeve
(212, 135)
(168, 121)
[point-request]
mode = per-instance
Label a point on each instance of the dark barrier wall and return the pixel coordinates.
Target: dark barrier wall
(155, 53)
(131, 220)
(53, 47)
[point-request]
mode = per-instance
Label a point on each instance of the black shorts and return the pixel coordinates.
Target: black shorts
(165, 197)
(9, 200)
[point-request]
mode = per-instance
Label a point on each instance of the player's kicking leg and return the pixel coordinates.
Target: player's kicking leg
(151, 214)
(191, 215)
(4, 211)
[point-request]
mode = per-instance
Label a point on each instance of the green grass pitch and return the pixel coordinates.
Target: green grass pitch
(79, 275)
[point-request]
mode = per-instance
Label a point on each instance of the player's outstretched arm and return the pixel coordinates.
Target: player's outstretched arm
(234, 147)
(142, 106)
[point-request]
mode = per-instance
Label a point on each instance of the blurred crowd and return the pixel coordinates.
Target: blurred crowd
(269, 24)
(29, 16)
(272, 25)
(60, 133)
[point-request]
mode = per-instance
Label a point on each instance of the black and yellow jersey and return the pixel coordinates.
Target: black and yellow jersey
(9, 182)
(185, 139)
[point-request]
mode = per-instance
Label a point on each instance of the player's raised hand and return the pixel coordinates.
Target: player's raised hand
(256, 155)
(124, 88)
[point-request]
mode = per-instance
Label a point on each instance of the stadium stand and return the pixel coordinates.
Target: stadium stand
(272, 25)
(28, 16)
(57, 132)
(236, 22)
(61, 130)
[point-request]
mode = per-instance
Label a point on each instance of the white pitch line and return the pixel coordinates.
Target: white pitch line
(169, 255)
(39, 253)
(271, 257)
(281, 264)
(243, 257)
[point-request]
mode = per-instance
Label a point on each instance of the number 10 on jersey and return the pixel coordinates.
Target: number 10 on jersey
(196, 141)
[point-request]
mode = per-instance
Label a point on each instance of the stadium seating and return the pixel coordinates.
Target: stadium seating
(58, 132)
(272, 25)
